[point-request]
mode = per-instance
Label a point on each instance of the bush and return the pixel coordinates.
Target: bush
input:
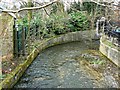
(59, 22)
(75, 7)
(78, 21)
(36, 21)
(63, 22)
(56, 23)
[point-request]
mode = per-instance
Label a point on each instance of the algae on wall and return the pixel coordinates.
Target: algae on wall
(6, 36)
(0, 52)
(0, 65)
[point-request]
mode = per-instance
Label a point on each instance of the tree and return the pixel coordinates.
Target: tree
(29, 20)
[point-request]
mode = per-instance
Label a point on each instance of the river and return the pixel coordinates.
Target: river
(55, 67)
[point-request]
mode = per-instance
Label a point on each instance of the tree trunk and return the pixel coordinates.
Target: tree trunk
(29, 19)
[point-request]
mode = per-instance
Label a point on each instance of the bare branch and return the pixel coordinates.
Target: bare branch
(30, 8)
(101, 4)
(43, 9)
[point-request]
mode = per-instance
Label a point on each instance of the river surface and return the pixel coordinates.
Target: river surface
(55, 67)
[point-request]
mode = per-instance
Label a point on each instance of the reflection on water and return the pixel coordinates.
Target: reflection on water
(55, 67)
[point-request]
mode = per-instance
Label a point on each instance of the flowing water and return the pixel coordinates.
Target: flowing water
(55, 67)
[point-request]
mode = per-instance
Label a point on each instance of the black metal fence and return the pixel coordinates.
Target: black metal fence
(20, 34)
(21, 38)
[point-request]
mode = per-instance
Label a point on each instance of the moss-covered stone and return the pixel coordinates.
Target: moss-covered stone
(14, 76)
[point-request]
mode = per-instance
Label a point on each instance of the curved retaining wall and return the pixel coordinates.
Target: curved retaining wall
(110, 52)
(14, 76)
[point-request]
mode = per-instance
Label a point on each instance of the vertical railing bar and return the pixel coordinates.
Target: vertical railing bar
(18, 43)
(23, 41)
(15, 40)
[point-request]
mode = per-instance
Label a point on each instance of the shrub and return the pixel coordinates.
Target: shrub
(75, 7)
(56, 23)
(78, 21)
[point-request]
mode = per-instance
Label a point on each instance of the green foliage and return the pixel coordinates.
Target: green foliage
(99, 62)
(86, 6)
(78, 21)
(89, 6)
(75, 7)
(22, 21)
(36, 21)
(54, 9)
(57, 23)
(91, 9)
(62, 22)
(57, 7)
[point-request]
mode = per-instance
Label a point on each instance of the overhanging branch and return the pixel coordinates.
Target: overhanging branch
(102, 4)
(29, 8)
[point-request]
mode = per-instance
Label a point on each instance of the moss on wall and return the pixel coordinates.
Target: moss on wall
(6, 35)
(14, 76)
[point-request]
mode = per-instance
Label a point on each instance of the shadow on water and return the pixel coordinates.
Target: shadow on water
(57, 67)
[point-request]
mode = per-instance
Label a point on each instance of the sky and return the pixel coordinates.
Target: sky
(10, 3)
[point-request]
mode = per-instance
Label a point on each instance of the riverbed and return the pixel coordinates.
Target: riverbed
(56, 67)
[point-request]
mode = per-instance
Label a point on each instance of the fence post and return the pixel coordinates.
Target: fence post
(23, 41)
(15, 44)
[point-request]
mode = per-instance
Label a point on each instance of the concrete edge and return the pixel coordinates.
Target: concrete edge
(105, 50)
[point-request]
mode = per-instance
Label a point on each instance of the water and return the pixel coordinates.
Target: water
(56, 67)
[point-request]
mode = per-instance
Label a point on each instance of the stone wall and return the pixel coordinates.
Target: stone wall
(70, 37)
(6, 35)
(112, 53)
